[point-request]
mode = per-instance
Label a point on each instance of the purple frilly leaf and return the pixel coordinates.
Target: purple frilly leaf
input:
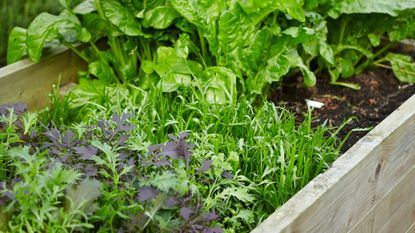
(227, 175)
(146, 193)
(210, 216)
(185, 212)
(205, 165)
(171, 202)
(213, 230)
(86, 152)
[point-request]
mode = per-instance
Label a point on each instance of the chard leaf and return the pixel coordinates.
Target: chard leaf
(43, 29)
(85, 7)
(296, 61)
(326, 52)
(102, 71)
(174, 71)
(204, 15)
(234, 31)
(371, 6)
(219, 85)
(121, 17)
(276, 67)
(160, 17)
(403, 67)
(17, 48)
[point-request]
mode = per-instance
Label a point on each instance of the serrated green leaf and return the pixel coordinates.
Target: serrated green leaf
(164, 181)
(242, 194)
(84, 195)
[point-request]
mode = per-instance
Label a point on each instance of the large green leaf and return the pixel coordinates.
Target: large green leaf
(174, 71)
(276, 67)
(85, 7)
(42, 30)
(403, 67)
(391, 7)
(219, 85)
(121, 17)
(102, 71)
(17, 48)
(160, 17)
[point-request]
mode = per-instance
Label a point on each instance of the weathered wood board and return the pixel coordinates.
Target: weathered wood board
(30, 82)
(370, 188)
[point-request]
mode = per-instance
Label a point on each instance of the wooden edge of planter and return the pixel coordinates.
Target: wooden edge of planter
(33, 81)
(370, 188)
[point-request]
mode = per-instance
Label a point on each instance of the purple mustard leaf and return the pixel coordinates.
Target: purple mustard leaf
(216, 229)
(153, 148)
(171, 150)
(126, 116)
(227, 175)
(86, 152)
(101, 124)
(122, 140)
(185, 212)
(67, 139)
(116, 118)
(171, 202)
(211, 216)
(172, 137)
(162, 163)
(147, 193)
(9, 195)
(33, 134)
(90, 171)
(53, 134)
(125, 128)
(131, 162)
(183, 135)
(123, 155)
(205, 165)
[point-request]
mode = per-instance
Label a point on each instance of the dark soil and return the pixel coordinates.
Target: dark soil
(380, 94)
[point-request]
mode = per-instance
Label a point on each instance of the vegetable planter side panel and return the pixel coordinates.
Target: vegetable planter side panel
(369, 189)
(29, 82)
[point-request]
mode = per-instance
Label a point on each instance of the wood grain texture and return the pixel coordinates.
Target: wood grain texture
(344, 197)
(31, 83)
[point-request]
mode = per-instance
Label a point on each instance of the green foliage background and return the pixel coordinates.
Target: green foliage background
(21, 13)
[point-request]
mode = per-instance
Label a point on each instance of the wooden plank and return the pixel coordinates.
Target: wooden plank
(340, 198)
(411, 229)
(395, 212)
(29, 82)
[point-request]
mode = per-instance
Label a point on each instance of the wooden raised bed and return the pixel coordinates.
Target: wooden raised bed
(370, 188)
(31, 83)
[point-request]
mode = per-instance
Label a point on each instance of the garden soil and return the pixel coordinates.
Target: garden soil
(381, 93)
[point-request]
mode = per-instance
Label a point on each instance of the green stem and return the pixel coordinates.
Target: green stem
(76, 51)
